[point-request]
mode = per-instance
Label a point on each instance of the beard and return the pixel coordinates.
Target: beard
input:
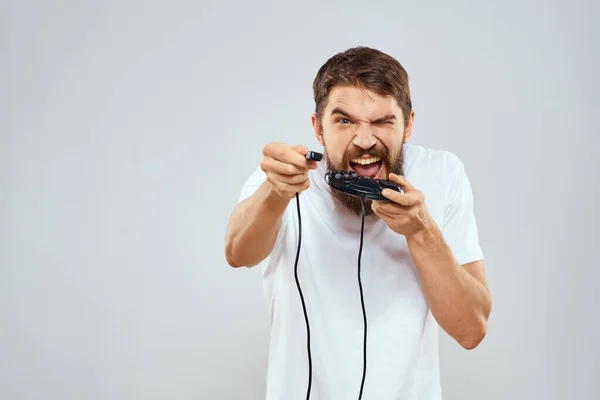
(392, 163)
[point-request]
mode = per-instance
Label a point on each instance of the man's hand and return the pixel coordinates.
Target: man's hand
(459, 301)
(286, 168)
(405, 213)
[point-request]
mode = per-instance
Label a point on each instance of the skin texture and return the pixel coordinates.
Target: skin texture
(458, 295)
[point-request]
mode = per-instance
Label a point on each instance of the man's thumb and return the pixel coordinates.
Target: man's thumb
(301, 149)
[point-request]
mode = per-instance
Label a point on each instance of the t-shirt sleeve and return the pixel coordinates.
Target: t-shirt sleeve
(252, 183)
(460, 225)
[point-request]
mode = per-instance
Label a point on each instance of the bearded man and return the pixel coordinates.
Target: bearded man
(347, 324)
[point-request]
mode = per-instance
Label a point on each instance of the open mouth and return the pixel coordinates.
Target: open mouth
(367, 166)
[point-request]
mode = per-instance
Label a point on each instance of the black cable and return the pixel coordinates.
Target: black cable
(362, 301)
(302, 299)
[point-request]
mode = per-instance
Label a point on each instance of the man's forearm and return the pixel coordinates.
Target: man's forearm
(460, 302)
(253, 227)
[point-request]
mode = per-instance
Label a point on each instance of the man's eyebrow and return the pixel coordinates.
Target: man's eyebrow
(387, 117)
(342, 112)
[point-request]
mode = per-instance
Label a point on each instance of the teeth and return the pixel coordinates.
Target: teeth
(365, 161)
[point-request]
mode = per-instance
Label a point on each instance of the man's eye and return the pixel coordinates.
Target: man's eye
(343, 121)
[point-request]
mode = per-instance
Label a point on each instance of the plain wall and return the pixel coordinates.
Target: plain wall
(128, 128)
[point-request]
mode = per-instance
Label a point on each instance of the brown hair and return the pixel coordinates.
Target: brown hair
(364, 67)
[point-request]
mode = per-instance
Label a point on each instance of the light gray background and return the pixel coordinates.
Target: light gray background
(128, 128)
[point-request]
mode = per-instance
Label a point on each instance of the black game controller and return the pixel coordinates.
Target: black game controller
(366, 188)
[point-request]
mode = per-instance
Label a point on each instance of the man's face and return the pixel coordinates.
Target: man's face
(364, 132)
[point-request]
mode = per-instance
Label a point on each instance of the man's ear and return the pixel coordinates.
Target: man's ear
(409, 125)
(318, 128)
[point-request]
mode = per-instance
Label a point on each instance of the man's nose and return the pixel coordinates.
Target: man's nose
(364, 137)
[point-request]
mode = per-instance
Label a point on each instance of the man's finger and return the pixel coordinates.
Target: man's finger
(400, 180)
(301, 149)
(296, 179)
(404, 199)
(291, 155)
(271, 164)
(297, 157)
(386, 208)
(377, 207)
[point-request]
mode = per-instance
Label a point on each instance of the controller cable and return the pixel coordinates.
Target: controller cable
(362, 229)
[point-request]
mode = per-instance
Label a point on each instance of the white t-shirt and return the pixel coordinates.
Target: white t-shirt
(402, 335)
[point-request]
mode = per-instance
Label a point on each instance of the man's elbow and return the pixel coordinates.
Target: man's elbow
(233, 253)
(238, 263)
(230, 255)
(231, 261)
(474, 337)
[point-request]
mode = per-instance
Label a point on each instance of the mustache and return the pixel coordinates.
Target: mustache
(378, 152)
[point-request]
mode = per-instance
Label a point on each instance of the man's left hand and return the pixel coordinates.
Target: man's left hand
(405, 213)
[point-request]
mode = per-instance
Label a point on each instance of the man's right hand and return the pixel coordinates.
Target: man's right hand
(287, 168)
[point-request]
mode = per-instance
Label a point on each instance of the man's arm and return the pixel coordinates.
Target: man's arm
(457, 294)
(253, 227)
(255, 222)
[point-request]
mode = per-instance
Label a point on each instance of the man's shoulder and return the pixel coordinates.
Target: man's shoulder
(437, 172)
(431, 159)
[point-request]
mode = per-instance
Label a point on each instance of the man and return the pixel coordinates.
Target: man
(421, 262)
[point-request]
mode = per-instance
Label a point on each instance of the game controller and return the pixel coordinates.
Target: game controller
(353, 184)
